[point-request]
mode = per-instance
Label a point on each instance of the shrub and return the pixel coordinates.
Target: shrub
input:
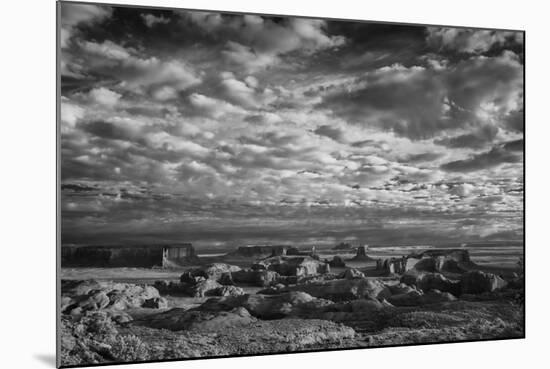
(129, 348)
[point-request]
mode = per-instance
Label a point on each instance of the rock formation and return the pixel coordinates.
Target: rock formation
(479, 282)
(344, 289)
(337, 262)
(362, 254)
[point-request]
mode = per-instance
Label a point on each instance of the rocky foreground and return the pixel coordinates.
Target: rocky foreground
(300, 306)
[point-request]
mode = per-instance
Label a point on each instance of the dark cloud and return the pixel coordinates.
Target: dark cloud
(331, 132)
(501, 154)
(477, 139)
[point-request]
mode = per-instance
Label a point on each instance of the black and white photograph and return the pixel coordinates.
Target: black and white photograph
(237, 184)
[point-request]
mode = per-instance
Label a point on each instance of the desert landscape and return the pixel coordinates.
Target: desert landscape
(272, 299)
(242, 184)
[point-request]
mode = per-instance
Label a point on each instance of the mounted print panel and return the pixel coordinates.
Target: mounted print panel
(242, 184)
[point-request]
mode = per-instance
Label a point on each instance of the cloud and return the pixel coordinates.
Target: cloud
(213, 107)
(335, 133)
(256, 42)
(73, 15)
(115, 130)
(420, 103)
(151, 20)
(463, 190)
(70, 113)
(407, 101)
(469, 40)
(246, 57)
(477, 139)
(498, 155)
(104, 96)
(141, 75)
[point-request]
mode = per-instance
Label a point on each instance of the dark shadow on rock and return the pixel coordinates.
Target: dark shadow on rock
(48, 359)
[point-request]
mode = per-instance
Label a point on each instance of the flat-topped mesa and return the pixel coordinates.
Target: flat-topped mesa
(435, 260)
(450, 260)
(264, 251)
(145, 256)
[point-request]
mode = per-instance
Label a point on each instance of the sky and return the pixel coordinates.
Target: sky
(228, 129)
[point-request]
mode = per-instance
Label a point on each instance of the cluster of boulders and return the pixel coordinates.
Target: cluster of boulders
(212, 280)
(79, 297)
(220, 279)
(428, 273)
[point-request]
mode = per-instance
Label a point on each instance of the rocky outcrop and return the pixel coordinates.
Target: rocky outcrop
(415, 298)
(427, 281)
(81, 296)
(227, 291)
(451, 260)
(475, 282)
(215, 271)
(344, 289)
(155, 303)
(268, 306)
(260, 278)
(362, 254)
(299, 266)
(351, 274)
(337, 262)
(189, 320)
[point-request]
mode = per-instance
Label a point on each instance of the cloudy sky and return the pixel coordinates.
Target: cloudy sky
(225, 129)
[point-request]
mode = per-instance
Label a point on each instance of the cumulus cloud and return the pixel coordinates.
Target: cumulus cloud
(140, 74)
(104, 96)
(256, 42)
(151, 20)
(419, 103)
(73, 15)
(469, 40)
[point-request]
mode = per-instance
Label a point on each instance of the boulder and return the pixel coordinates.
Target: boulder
(131, 296)
(226, 279)
(415, 298)
(344, 289)
(212, 271)
(299, 266)
(192, 320)
(441, 260)
(430, 281)
(410, 263)
(155, 303)
(337, 262)
(227, 291)
(96, 300)
(207, 287)
(106, 295)
(351, 274)
(425, 265)
(260, 278)
(268, 307)
(400, 288)
(475, 282)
